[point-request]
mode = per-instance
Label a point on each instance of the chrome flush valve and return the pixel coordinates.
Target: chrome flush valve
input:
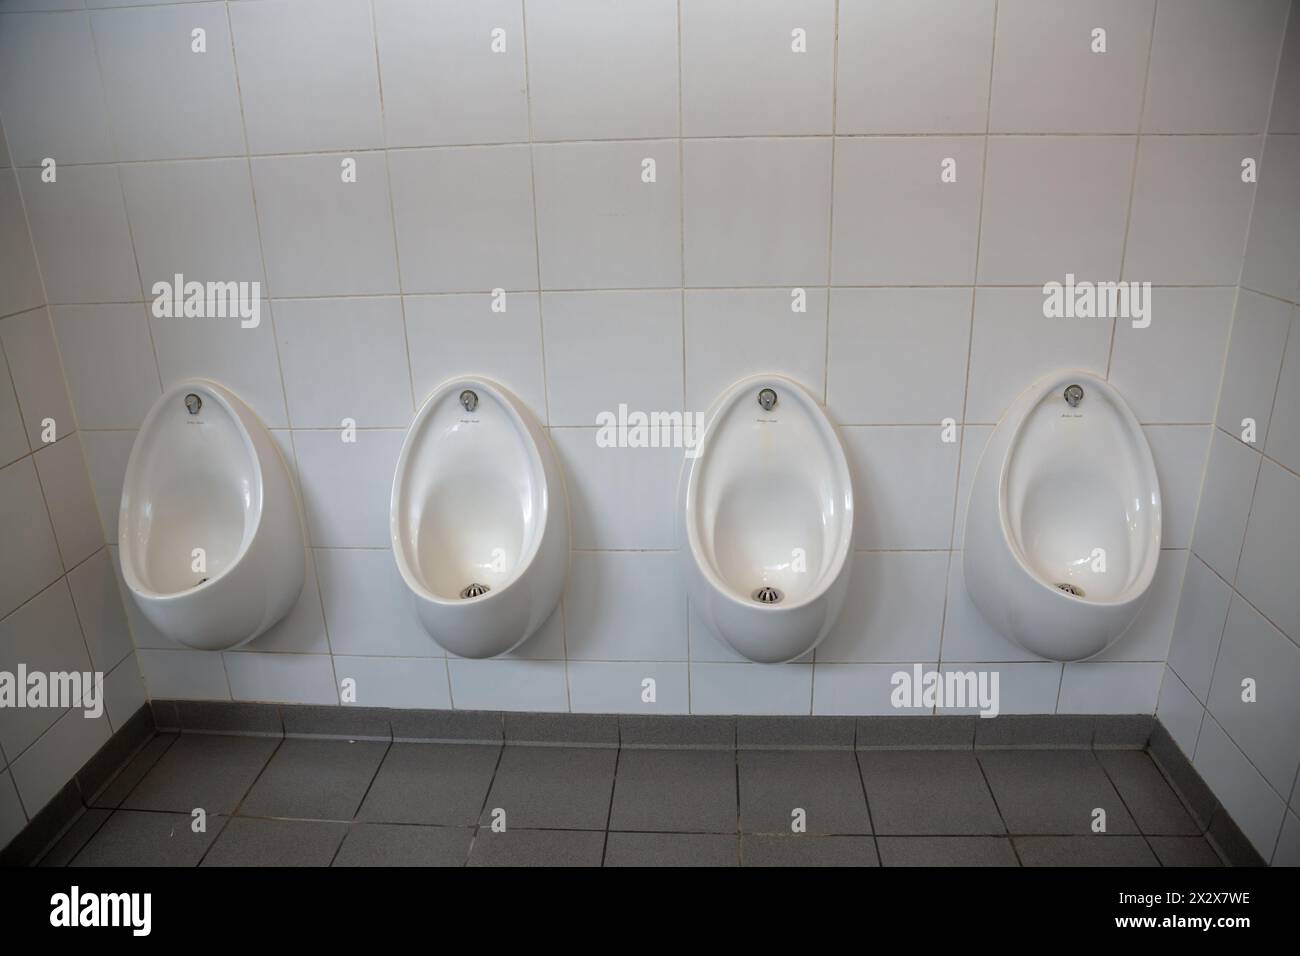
(1073, 395)
(193, 403)
(468, 400)
(767, 399)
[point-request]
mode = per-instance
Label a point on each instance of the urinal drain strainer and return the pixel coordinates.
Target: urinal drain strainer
(474, 590)
(1073, 589)
(768, 595)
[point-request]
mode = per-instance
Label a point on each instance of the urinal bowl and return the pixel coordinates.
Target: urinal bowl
(1063, 525)
(766, 505)
(210, 528)
(479, 519)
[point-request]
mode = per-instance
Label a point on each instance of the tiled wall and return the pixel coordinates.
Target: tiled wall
(523, 170)
(60, 608)
(1239, 614)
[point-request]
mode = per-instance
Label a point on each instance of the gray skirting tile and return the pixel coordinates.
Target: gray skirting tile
(119, 748)
(447, 726)
(1122, 731)
(1182, 776)
(677, 731)
(1047, 732)
(124, 781)
(166, 716)
(1231, 843)
(240, 718)
(794, 733)
(342, 723)
(917, 733)
(561, 730)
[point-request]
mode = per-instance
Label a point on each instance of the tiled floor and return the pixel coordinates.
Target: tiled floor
(316, 802)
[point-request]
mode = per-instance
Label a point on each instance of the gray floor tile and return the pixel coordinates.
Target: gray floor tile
(443, 784)
(315, 779)
(1184, 851)
(202, 770)
(680, 791)
(671, 849)
(119, 786)
(559, 788)
(806, 850)
(383, 844)
(1146, 793)
(823, 783)
(1053, 792)
(537, 848)
(132, 838)
(947, 851)
(928, 792)
(1084, 851)
(245, 842)
(78, 836)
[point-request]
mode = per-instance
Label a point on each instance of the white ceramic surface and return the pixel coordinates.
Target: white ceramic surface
(1063, 496)
(478, 498)
(767, 501)
(213, 480)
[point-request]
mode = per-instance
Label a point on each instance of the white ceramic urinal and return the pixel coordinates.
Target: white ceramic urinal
(210, 529)
(1063, 525)
(767, 507)
(479, 519)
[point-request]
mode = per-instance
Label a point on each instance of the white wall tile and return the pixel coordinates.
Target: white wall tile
(599, 224)
(1212, 66)
(897, 220)
(904, 484)
(973, 440)
(1273, 250)
(194, 218)
(29, 555)
(757, 211)
(858, 689)
(741, 75)
(368, 607)
(600, 70)
(619, 498)
(107, 454)
(751, 688)
(99, 609)
(109, 361)
(65, 483)
(464, 218)
(307, 74)
(1179, 452)
(43, 635)
(42, 770)
(1110, 688)
(184, 675)
(1254, 650)
(1026, 237)
(37, 372)
(12, 817)
(1148, 637)
(1047, 77)
(452, 335)
(124, 692)
(1230, 475)
(166, 101)
(625, 606)
(1250, 801)
(1013, 345)
(604, 687)
(50, 93)
(1179, 712)
(1284, 115)
(346, 486)
(1022, 688)
(1270, 560)
(79, 228)
(289, 678)
(1283, 442)
(1169, 371)
(320, 235)
(13, 434)
(892, 611)
(1198, 627)
(442, 81)
(889, 78)
(344, 358)
(1190, 209)
(20, 280)
(1253, 363)
(607, 348)
(732, 334)
(396, 681)
(897, 356)
(245, 360)
(508, 685)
